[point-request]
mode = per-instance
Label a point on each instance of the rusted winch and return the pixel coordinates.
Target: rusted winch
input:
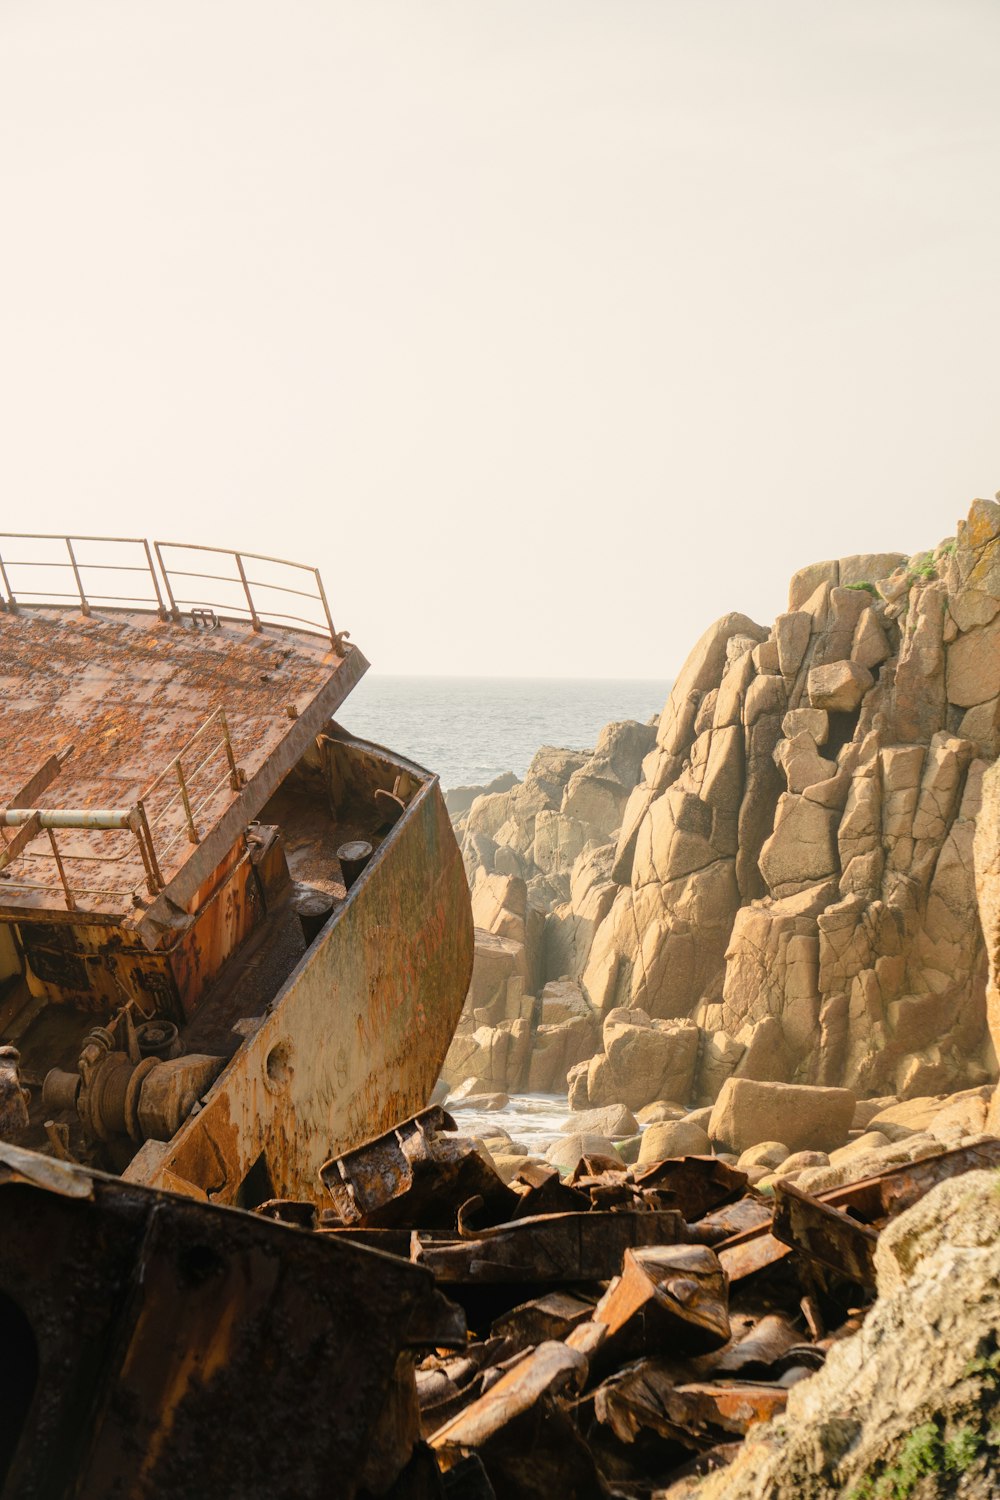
(115, 1094)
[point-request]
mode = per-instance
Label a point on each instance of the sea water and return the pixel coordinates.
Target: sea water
(472, 729)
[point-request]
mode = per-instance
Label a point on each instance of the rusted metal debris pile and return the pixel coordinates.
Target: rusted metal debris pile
(626, 1327)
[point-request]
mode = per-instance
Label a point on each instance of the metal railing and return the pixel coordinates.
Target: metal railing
(85, 587)
(244, 595)
(148, 813)
(183, 790)
(241, 600)
(30, 822)
(190, 783)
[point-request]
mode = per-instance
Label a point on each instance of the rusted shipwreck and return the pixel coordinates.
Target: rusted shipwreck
(233, 939)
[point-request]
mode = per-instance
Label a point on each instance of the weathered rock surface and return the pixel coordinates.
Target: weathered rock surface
(987, 860)
(673, 1138)
(799, 876)
(775, 882)
(568, 1149)
(614, 1120)
(909, 1405)
(801, 1117)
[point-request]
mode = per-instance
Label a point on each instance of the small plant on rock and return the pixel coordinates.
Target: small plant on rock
(923, 570)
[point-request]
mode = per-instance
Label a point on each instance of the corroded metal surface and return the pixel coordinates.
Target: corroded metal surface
(871, 1201)
(666, 1296)
(648, 1396)
(569, 1247)
(824, 1234)
(415, 1175)
(355, 1038)
(125, 692)
(694, 1184)
(520, 1431)
(168, 1349)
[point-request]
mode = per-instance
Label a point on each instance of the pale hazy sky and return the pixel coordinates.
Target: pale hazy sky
(550, 329)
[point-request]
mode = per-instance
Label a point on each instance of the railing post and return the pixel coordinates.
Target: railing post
(174, 611)
(11, 601)
(192, 830)
(144, 838)
(160, 609)
(255, 622)
(70, 903)
(235, 780)
(326, 608)
(158, 874)
(84, 606)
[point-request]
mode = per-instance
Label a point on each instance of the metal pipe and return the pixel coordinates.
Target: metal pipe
(192, 830)
(12, 602)
(234, 774)
(161, 611)
(283, 562)
(326, 607)
(84, 606)
(174, 611)
(150, 846)
(70, 903)
(56, 536)
(66, 817)
(246, 589)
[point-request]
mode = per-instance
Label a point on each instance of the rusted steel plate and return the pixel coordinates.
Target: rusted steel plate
(760, 1350)
(550, 1369)
(749, 1213)
(550, 1317)
(542, 1191)
(751, 1252)
(695, 1184)
(524, 1438)
(824, 1234)
(888, 1193)
(378, 1170)
(389, 1241)
(445, 1386)
(181, 1349)
(667, 1300)
(551, 1248)
(700, 1415)
(414, 1175)
(872, 1200)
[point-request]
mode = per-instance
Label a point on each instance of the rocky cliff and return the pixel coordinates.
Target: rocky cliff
(776, 880)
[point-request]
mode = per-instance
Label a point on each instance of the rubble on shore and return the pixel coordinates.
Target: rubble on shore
(628, 1326)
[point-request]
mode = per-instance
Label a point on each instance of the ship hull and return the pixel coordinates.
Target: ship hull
(355, 1038)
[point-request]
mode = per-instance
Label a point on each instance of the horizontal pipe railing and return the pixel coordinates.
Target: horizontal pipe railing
(78, 567)
(34, 821)
(69, 817)
(258, 613)
(139, 820)
(164, 597)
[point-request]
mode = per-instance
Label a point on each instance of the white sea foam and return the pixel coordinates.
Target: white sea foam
(531, 1119)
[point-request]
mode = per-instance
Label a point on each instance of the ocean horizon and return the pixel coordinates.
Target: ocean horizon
(472, 729)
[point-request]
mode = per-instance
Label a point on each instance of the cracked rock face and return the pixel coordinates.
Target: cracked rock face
(785, 861)
(795, 869)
